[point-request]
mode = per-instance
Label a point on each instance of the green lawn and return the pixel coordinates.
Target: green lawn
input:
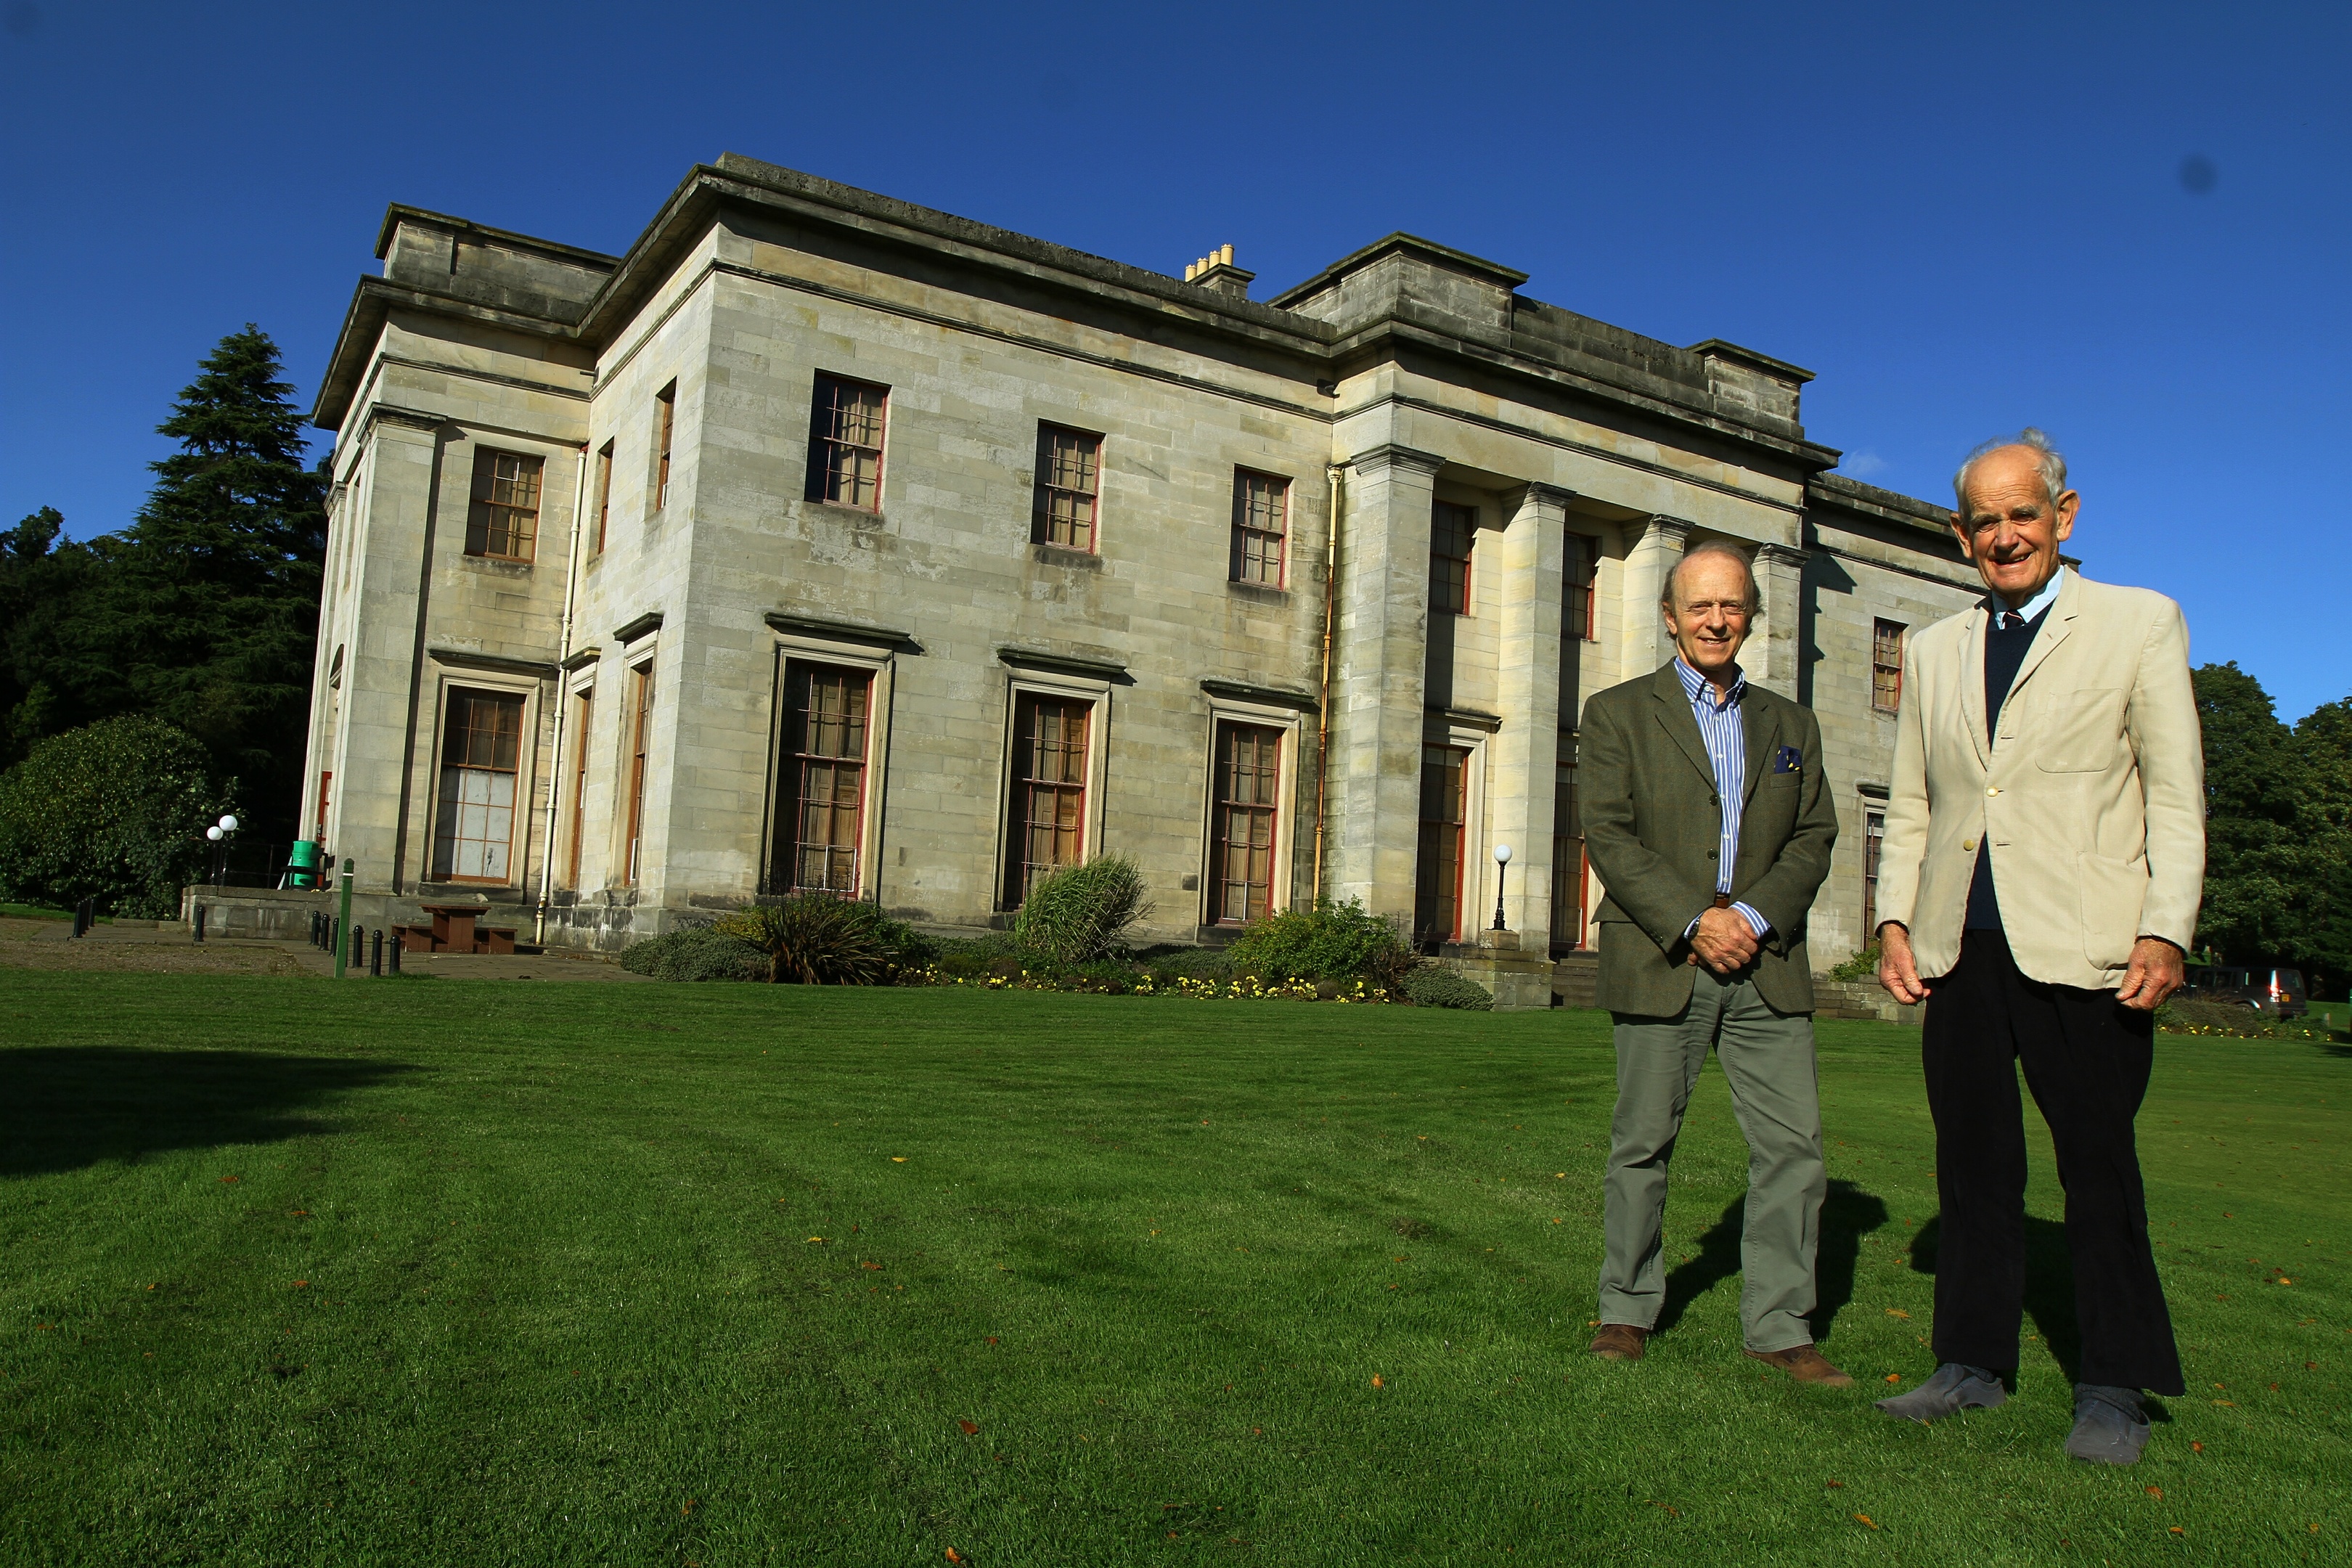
(430, 1272)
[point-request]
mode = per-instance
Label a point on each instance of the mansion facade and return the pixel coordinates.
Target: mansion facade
(826, 542)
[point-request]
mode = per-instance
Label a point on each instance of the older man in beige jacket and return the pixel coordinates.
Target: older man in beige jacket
(2040, 877)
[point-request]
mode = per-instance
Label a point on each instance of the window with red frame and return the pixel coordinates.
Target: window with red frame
(502, 519)
(583, 706)
(1049, 791)
(1567, 863)
(1452, 531)
(641, 736)
(825, 729)
(603, 493)
(1068, 477)
(666, 426)
(1874, 834)
(1249, 765)
(1437, 875)
(1261, 527)
(847, 423)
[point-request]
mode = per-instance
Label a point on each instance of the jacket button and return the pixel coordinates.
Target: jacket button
(1713, 854)
(1968, 844)
(1993, 789)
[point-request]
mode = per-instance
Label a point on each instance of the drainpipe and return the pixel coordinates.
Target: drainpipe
(1332, 471)
(555, 762)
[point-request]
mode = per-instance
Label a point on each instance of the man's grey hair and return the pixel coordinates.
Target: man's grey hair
(1714, 547)
(2046, 459)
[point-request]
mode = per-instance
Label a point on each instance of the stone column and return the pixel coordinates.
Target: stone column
(1377, 687)
(1776, 643)
(1521, 771)
(1653, 555)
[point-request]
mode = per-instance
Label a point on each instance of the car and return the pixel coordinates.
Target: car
(2277, 992)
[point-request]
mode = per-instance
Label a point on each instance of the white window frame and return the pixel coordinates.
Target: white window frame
(1030, 681)
(527, 760)
(884, 667)
(1292, 723)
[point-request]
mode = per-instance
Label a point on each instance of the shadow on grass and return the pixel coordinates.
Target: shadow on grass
(1848, 1214)
(65, 1107)
(2049, 1284)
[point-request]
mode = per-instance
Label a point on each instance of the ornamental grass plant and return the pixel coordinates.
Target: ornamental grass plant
(818, 939)
(1081, 914)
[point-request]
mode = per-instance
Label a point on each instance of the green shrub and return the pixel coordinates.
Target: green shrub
(1082, 913)
(1166, 966)
(1863, 966)
(695, 952)
(1329, 942)
(816, 939)
(1435, 985)
(114, 810)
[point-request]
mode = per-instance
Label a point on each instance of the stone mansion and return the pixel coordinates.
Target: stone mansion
(827, 541)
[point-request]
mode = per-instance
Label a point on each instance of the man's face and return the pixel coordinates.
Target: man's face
(1709, 617)
(2011, 528)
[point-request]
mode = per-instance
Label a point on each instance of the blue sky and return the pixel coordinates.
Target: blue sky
(1962, 217)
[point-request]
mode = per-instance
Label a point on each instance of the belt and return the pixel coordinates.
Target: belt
(1723, 900)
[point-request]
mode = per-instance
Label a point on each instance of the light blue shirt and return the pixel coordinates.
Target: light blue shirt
(2031, 607)
(1723, 728)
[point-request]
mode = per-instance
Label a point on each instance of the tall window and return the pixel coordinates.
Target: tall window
(1886, 665)
(825, 730)
(846, 429)
(1437, 876)
(1049, 791)
(503, 519)
(1873, 833)
(326, 782)
(665, 427)
(1261, 524)
(1248, 764)
(1567, 863)
(1582, 570)
(603, 492)
(1452, 528)
(583, 707)
(481, 747)
(641, 725)
(1068, 466)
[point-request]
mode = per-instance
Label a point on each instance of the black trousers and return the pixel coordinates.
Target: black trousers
(2086, 1059)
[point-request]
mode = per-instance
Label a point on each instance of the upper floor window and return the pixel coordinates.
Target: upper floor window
(1582, 570)
(603, 492)
(1886, 665)
(1261, 527)
(846, 429)
(1069, 466)
(1451, 530)
(503, 520)
(665, 425)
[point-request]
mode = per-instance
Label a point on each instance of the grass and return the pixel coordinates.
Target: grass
(475, 1272)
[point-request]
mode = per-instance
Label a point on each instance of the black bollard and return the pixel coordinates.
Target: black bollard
(375, 956)
(334, 934)
(200, 922)
(315, 918)
(397, 943)
(359, 945)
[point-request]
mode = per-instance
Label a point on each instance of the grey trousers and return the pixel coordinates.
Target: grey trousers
(1768, 1062)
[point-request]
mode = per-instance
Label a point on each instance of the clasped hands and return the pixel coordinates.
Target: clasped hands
(1724, 942)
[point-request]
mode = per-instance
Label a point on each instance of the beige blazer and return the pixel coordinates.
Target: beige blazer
(2093, 796)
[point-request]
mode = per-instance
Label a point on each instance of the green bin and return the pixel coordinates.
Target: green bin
(303, 863)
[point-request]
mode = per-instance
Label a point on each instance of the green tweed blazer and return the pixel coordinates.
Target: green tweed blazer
(1652, 824)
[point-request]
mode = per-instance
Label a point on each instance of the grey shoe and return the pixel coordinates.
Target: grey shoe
(1953, 1389)
(2110, 1427)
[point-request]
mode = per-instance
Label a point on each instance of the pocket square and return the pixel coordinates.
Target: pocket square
(1787, 760)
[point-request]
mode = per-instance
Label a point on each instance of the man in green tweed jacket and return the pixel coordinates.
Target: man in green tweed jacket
(1710, 824)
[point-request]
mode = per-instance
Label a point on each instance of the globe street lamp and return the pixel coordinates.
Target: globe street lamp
(220, 832)
(1502, 858)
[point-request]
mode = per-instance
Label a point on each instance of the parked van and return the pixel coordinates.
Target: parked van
(2277, 992)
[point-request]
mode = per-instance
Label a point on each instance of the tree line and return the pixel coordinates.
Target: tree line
(151, 677)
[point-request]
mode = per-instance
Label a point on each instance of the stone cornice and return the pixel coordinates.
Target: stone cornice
(1270, 696)
(791, 621)
(650, 622)
(496, 664)
(1065, 664)
(1389, 454)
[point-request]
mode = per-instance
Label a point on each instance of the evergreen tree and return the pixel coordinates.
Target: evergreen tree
(209, 602)
(2254, 860)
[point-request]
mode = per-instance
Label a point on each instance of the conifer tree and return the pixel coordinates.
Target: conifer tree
(211, 598)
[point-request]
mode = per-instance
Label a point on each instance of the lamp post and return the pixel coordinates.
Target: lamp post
(1502, 858)
(221, 833)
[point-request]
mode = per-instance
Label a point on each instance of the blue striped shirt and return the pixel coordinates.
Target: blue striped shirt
(1723, 728)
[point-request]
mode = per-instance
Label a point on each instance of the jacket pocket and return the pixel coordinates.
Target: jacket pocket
(2079, 733)
(2112, 892)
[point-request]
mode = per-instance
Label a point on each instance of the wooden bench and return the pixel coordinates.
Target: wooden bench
(454, 929)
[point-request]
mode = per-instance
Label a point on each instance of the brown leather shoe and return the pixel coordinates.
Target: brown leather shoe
(1804, 1363)
(1619, 1342)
